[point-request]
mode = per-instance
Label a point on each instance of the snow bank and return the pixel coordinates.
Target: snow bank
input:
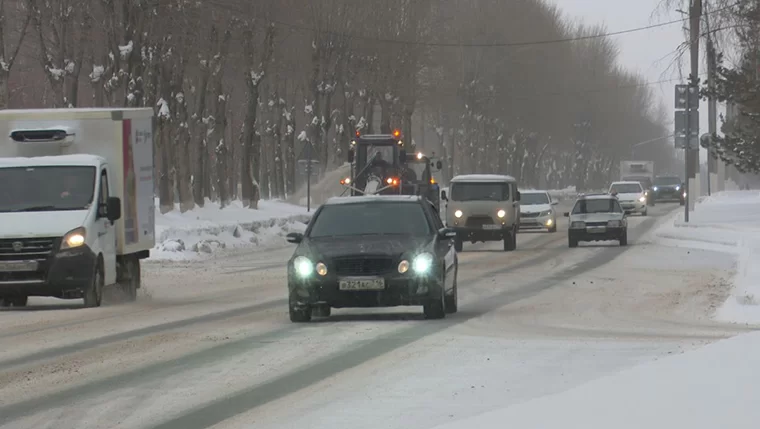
(727, 222)
(206, 230)
(715, 386)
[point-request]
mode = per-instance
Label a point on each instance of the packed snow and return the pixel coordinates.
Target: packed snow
(708, 388)
(727, 222)
(205, 230)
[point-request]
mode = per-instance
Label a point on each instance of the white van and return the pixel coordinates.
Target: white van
(483, 207)
(76, 206)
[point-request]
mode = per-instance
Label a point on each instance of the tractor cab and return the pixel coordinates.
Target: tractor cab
(377, 161)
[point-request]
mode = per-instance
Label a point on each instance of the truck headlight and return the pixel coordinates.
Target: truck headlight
(303, 266)
(501, 213)
(74, 238)
(458, 214)
(422, 263)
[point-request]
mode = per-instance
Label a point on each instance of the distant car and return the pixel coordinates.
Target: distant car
(597, 218)
(537, 211)
(631, 195)
(373, 251)
(668, 188)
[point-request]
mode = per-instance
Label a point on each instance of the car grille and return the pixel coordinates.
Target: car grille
(479, 221)
(530, 214)
(367, 266)
(596, 223)
(26, 249)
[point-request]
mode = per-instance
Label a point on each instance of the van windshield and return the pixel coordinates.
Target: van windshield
(46, 188)
(485, 191)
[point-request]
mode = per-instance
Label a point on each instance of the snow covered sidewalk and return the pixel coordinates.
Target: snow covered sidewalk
(727, 222)
(712, 387)
(205, 230)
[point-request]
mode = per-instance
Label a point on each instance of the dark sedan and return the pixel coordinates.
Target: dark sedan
(373, 251)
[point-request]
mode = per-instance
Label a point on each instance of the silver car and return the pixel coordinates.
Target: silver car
(597, 217)
(537, 211)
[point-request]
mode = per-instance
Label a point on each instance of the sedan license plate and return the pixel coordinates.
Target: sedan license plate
(362, 284)
(16, 266)
(596, 229)
(491, 226)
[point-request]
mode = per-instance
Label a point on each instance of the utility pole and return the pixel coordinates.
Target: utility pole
(712, 120)
(692, 188)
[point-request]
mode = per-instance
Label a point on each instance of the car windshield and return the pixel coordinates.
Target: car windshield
(667, 181)
(533, 198)
(486, 191)
(599, 205)
(371, 218)
(43, 188)
(626, 188)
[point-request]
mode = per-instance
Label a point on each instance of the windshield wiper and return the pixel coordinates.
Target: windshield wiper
(36, 209)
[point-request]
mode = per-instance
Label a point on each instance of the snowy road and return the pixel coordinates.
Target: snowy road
(210, 344)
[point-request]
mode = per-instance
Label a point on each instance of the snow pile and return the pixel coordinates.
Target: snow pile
(727, 222)
(206, 230)
(327, 187)
(708, 388)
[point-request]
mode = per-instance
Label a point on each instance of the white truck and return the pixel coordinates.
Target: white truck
(77, 208)
(639, 171)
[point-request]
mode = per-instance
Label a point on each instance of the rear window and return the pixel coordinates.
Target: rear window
(484, 191)
(376, 218)
(599, 205)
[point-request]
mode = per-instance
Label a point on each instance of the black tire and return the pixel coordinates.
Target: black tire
(131, 279)
(510, 242)
(683, 203)
(299, 315)
(19, 301)
(458, 244)
(572, 243)
(436, 308)
(644, 213)
(93, 296)
(452, 301)
(624, 239)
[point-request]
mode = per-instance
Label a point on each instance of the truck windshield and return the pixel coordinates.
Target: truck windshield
(46, 188)
(487, 191)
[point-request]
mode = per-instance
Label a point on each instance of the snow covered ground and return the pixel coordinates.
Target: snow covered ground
(727, 222)
(207, 230)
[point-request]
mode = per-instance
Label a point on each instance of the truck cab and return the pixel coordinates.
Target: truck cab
(77, 211)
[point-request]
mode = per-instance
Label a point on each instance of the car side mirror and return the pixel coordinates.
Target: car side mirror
(447, 233)
(443, 196)
(113, 209)
(554, 203)
(567, 214)
(439, 165)
(350, 155)
(402, 156)
(294, 237)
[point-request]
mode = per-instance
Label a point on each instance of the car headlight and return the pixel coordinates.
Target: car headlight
(501, 213)
(545, 213)
(321, 269)
(678, 187)
(614, 224)
(403, 266)
(578, 225)
(74, 238)
(303, 266)
(422, 263)
(643, 199)
(458, 213)
(655, 189)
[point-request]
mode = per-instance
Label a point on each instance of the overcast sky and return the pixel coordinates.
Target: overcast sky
(649, 52)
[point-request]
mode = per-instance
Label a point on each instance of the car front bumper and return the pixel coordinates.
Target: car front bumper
(597, 234)
(542, 222)
(65, 274)
(399, 290)
(634, 206)
(668, 194)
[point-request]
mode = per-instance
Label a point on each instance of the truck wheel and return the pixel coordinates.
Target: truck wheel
(130, 279)
(93, 296)
(510, 241)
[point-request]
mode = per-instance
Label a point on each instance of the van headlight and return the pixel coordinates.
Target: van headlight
(458, 214)
(422, 263)
(501, 213)
(303, 266)
(74, 238)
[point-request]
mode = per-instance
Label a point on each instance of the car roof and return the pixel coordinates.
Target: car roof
(626, 182)
(597, 197)
(472, 178)
(533, 191)
(334, 201)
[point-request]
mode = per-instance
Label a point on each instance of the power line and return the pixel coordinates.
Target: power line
(473, 45)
